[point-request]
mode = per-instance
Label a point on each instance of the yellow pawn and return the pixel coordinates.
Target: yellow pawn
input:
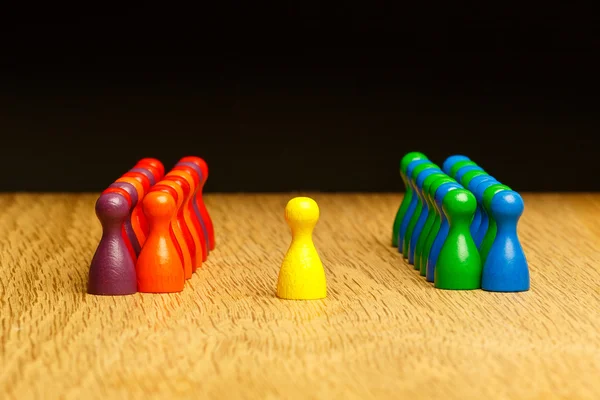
(302, 276)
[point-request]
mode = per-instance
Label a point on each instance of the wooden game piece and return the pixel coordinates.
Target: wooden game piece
(462, 167)
(131, 194)
(185, 181)
(506, 268)
(192, 170)
(412, 204)
(146, 184)
(417, 210)
(302, 276)
(420, 260)
(197, 173)
(466, 169)
(416, 233)
(124, 231)
(465, 181)
(406, 160)
(200, 200)
(112, 270)
(138, 219)
(146, 172)
(467, 177)
(477, 186)
(458, 266)
(435, 227)
(155, 172)
(458, 165)
(490, 234)
(191, 185)
(155, 164)
(141, 178)
(450, 161)
(159, 267)
(178, 225)
(442, 233)
(413, 207)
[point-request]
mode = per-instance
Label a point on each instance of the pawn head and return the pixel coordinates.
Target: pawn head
(437, 184)
(185, 179)
(302, 210)
(420, 181)
(112, 207)
(507, 204)
(459, 165)
(189, 168)
(172, 189)
(461, 172)
(155, 172)
(478, 180)
(141, 178)
(442, 191)
(413, 165)
(129, 189)
(459, 203)
(420, 168)
(200, 163)
(159, 205)
(430, 180)
(481, 187)
(466, 179)
(146, 170)
(410, 157)
(139, 187)
(180, 185)
(450, 161)
(489, 192)
(155, 163)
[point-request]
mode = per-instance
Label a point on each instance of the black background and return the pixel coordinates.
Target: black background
(297, 96)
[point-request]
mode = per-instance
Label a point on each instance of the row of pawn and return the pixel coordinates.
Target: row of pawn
(457, 225)
(156, 230)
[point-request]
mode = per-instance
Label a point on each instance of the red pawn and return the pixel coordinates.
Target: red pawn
(153, 165)
(200, 163)
(124, 234)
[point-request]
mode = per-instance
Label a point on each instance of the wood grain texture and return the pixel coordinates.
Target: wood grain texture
(383, 332)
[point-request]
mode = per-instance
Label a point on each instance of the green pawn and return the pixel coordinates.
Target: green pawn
(435, 224)
(413, 219)
(490, 234)
(466, 178)
(459, 165)
(428, 221)
(408, 193)
(459, 265)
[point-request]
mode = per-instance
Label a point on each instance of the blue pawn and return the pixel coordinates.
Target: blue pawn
(418, 188)
(450, 161)
(411, 206)
(506, 268)
(465, 169)
(480, 218)
(485, 219)
(475, 222)
(442, 234)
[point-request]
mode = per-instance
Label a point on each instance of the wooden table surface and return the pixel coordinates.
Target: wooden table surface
(383, 332)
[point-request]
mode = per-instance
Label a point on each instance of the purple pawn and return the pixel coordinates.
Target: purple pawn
(133, 195)
(112, 271)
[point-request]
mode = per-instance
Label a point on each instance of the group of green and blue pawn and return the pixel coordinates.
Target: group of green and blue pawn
(458, 226)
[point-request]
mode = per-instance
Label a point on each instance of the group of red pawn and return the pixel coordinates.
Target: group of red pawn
(156, 230)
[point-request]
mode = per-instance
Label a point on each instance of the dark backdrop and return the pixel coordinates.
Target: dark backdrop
(299, 97)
